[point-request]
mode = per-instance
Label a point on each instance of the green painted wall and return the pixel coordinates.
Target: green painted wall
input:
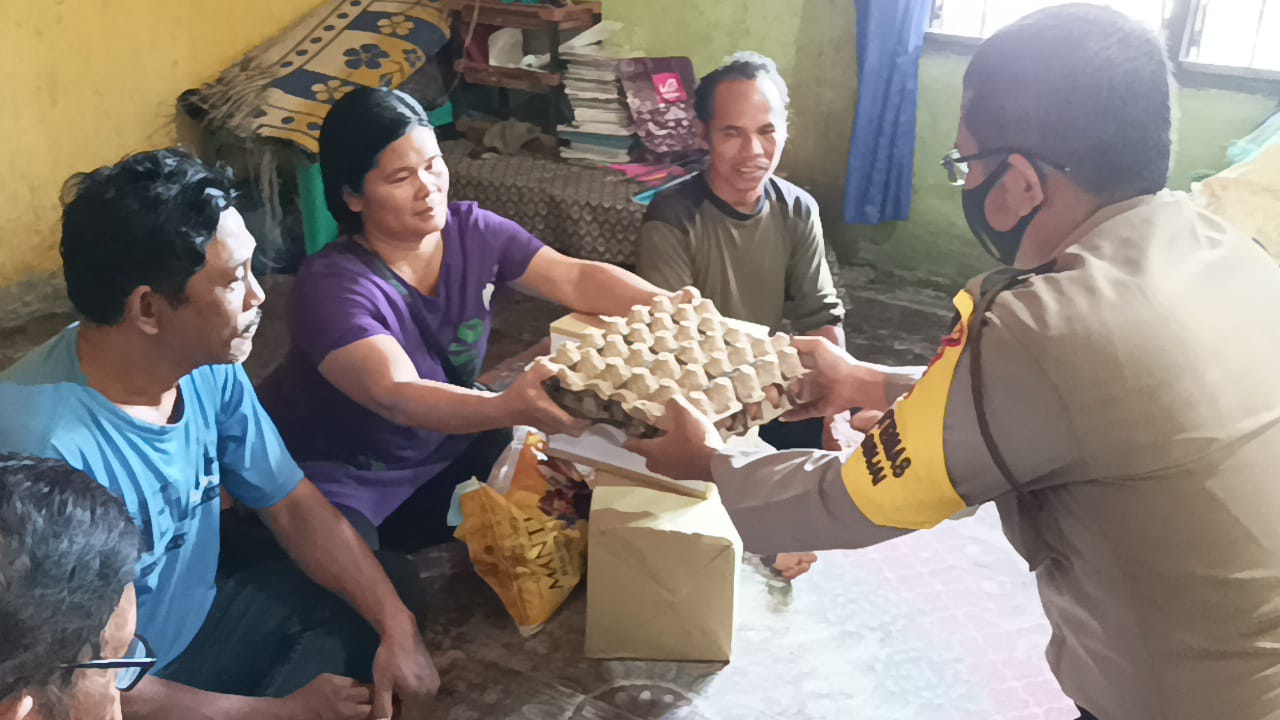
(1209, 121)
(813, 43)
(935, 248)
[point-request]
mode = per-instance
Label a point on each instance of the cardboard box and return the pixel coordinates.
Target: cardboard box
(600, 448)
(662, 573)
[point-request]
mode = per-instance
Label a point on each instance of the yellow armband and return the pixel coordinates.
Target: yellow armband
(898, 477)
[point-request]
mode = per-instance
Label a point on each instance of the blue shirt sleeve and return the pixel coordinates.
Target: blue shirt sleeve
(336, 301)
(256, 467)
(26, 414)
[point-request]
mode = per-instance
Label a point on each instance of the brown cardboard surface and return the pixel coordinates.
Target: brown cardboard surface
(662, 575)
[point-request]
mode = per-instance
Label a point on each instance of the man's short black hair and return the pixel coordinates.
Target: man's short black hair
(1084, 86)
(144, 221)
(67, 551)
(739, 66)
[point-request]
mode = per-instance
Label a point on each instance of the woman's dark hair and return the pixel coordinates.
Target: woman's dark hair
(67, 551)
(1082, 85)
(357, 129)
(144, 221)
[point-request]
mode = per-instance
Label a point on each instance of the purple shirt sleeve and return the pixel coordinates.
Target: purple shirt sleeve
(336, 301)
(514, 247)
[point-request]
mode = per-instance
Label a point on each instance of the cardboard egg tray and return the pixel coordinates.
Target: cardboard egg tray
(623, 371)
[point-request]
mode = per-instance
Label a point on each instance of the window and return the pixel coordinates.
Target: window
(981, 18)
(1238, 37)
(1234, 33)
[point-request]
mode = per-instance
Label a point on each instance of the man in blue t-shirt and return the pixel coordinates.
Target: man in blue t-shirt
(146, 395)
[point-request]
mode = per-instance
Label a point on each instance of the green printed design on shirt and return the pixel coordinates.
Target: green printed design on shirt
(462, 352)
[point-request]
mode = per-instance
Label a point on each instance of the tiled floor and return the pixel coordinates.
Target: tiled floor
(934, 626)
(937, 625)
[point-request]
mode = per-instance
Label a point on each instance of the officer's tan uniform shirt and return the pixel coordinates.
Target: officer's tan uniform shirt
(1135, 393)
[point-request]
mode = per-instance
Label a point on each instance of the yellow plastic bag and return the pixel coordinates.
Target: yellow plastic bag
(526, 530)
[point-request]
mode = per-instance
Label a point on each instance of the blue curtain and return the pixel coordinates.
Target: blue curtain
(890, 34)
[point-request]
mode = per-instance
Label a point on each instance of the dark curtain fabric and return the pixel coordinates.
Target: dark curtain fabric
(890, 35)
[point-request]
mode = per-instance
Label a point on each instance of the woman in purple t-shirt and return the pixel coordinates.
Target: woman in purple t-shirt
(376, 399)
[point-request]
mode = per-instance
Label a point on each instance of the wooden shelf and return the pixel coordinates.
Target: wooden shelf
(505, 77)
(544, 18)
(526, 17)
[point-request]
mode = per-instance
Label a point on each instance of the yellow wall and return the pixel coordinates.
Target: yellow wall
(88, 81)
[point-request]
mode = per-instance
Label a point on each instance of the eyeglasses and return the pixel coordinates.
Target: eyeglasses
(957, 165)
(135, 664)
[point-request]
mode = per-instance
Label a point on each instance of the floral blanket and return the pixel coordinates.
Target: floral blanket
(284, 88)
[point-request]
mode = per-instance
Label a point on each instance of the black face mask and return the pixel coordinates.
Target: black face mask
(1000, 244)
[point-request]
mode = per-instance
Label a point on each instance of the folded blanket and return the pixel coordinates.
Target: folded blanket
(284, 88)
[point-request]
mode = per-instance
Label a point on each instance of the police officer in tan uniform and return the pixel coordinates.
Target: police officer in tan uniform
(1115, 391)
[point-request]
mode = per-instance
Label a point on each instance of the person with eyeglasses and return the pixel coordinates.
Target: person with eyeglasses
(1112, 390)
(67, 604)
(147, 394)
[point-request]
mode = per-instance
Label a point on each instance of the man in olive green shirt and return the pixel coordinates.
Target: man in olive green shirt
(747, 239)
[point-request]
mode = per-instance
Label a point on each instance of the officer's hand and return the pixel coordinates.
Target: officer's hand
(844, 433)
(838, 435)
(833, 384)
(686, 446)
(865, 421)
